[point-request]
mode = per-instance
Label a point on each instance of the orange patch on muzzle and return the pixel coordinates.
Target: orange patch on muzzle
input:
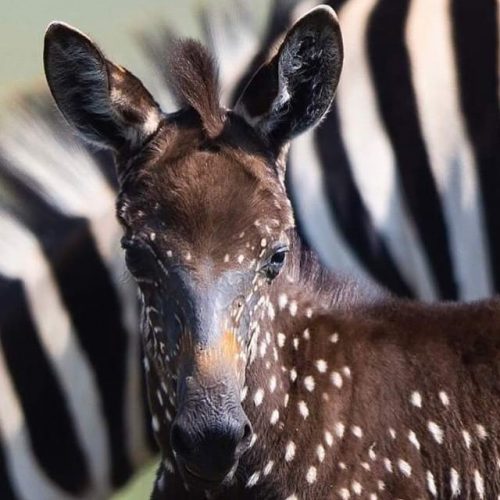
(221, 357)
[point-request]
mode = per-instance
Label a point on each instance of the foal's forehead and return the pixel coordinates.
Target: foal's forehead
(208, 193)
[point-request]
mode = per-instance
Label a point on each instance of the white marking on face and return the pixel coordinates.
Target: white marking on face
(155, 423)
(268, 468)
(169, 467)
(282, 300)
(290, 451)
(253, 479)
(243, 393)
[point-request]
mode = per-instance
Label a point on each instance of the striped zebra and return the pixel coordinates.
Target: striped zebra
(401, 182)
(418, 104)
(74, 422)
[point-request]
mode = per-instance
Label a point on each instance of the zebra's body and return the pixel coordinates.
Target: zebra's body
(54, 227)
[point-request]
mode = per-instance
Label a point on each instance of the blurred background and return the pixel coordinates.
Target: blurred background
(113, 24)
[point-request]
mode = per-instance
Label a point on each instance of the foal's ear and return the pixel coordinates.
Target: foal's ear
(106, 104)
(293, 91)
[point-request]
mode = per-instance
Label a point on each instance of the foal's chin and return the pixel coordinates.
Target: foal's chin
(196, 482)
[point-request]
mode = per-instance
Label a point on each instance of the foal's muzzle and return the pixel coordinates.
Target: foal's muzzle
(208, 447)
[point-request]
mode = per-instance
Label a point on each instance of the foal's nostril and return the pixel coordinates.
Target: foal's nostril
(246, 438)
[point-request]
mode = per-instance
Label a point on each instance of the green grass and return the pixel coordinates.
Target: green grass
(141, 485)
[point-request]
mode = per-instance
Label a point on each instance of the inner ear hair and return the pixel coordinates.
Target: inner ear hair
(106, 104)
(294, 90)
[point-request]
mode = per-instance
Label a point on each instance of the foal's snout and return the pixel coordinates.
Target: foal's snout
(209, 448)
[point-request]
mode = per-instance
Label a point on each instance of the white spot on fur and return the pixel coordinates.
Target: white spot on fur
(309, 383)
(321, 365)
(290, 451)
(281, 339)
(413, 440)
(445, 400)
(404, 467)
(454, 482)
(416, 399)
(336, 379)
(328, 438)
(303, 409)
(467, 438)
(275, 415)
(431, 484)
(268, 468)
(272, 383)
(479, 483)
(253, 479)
(339, 429)
(320, 452)
(311, 474)
(258, 397)
(357, 431)
(436, 431)
(356, 487)
(282, 300)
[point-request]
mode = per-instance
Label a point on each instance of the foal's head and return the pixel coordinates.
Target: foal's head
(205, 215)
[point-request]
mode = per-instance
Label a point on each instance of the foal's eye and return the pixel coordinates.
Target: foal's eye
(275, 263)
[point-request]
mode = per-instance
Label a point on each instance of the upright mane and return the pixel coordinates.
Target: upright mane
(193, 78)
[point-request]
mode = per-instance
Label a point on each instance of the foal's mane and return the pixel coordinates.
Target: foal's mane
(193, 78)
